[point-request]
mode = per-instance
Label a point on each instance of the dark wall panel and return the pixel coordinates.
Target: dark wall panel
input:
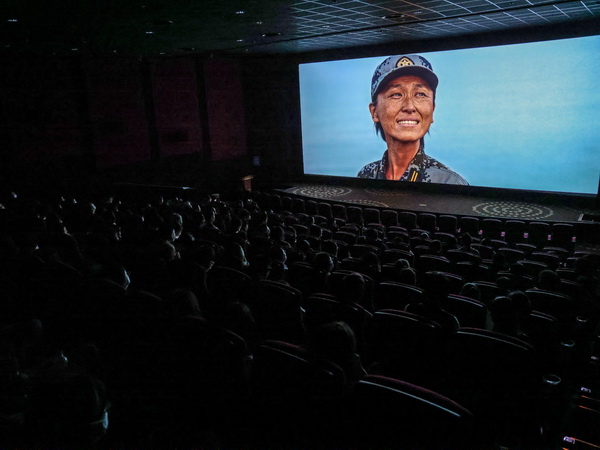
(273, 118)
(117, 111)
(95, 114)
(175, 92)
(41, 106)
(225, 106)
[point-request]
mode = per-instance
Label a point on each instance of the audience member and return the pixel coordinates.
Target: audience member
(336, 342)
(437, 288)
(548, 280)
(507, 319)
(276, 268)
(471, 290)
(131, 273)
(370, 265)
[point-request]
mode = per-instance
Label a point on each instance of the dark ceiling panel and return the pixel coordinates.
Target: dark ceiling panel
(174, 27)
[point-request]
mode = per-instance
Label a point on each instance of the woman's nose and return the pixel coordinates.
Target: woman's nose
(408, 104)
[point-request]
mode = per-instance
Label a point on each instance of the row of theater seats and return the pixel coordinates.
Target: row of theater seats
(177, 379)
(512, 231)
(503, 380)
(425, 390)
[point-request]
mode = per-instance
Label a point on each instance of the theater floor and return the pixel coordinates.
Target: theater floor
(444, 203)
(551, 208)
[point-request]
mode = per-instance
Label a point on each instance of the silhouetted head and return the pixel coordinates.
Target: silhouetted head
(437, 286)
(521, 303)
(335, 341)
(548, 280)
(471, 290)
(323, 262)
(352, 288)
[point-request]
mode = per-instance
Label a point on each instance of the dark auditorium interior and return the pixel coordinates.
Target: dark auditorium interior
(172, 279)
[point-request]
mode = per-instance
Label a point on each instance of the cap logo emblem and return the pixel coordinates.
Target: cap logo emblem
(404, 61)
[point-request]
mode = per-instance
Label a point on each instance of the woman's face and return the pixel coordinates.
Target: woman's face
(404, 109)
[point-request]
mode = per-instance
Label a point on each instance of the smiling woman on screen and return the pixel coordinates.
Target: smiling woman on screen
(402, 105)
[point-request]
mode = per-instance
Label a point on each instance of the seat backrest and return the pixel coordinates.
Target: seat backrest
(206, 358)
(492, 228)
(299, 205)
(490, 373)
(407, 343)
(562, 253)
(489, 291)
(470, 312)
(394, 295)
(390, 413)
(514, 231)
(455, 282)
(274, 201)
(346, 236)
(426, 263)
(359, 250)
(228, 283)
(556, 304)
(287, 371)
(355, 215)
(336, 280)
(563, 234)
(566, 273)
(427, 221)
(277, 309)
(324, 209)
(321, 309)
(552, 260)
(394, 254)
(311, 207)
(447, 223)
(339, 212)
(407, 219)
(538, 233)
(287, 203)
(486, 252)
(511, 255)
(469, 225)
(533, 268)
(544, 331)
(456, 255)
(389, 218)
(371, 215)
(471, 271)
(447, 238)
(304, 277)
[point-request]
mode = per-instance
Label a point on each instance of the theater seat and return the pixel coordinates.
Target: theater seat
(388, 413)
(405, 345)
(494, 375)
(394, 295)
(470, 312)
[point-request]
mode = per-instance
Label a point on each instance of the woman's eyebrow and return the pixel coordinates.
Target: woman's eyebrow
(421, 85)
(417, 85)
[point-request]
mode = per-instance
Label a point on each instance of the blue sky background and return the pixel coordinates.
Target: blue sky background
(523, 116)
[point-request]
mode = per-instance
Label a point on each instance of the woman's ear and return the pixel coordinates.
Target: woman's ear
(373, 111)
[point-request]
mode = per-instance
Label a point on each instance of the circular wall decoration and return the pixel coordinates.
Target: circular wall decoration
(322, 191)
(513, 210)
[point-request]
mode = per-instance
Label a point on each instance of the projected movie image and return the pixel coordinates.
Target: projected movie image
(521, 116)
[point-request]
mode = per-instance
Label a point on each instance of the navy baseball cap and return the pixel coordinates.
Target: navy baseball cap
(401, 65)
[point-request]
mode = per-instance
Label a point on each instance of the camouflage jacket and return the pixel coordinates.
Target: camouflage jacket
(422, 168)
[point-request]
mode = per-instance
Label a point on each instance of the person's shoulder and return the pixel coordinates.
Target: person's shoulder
(439, 172)
(369, 170)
